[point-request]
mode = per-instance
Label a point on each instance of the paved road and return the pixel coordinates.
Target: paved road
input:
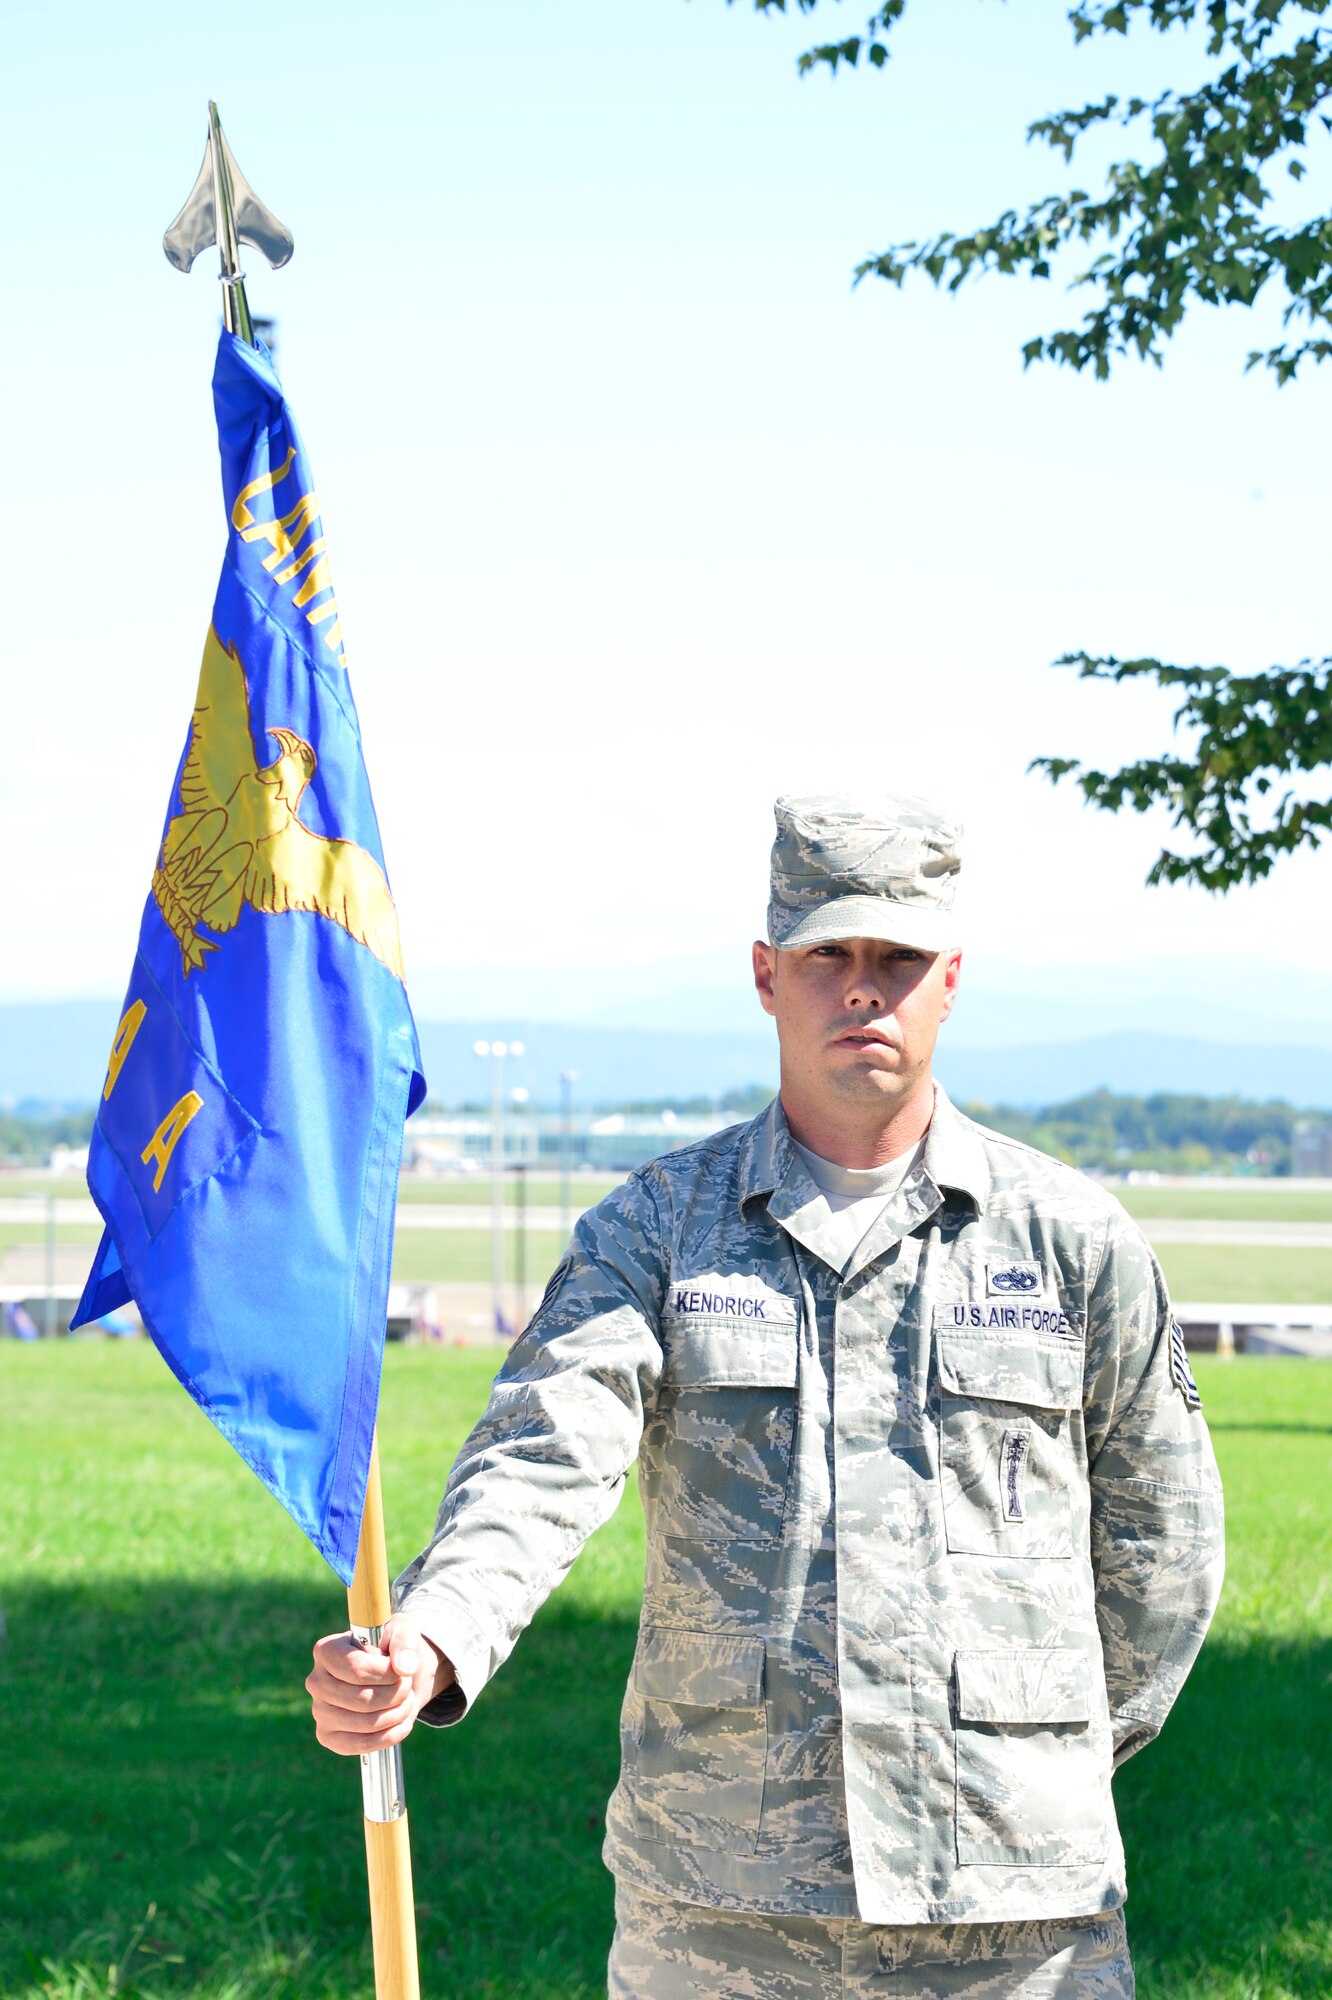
(1246, 1235)
(32, 1209)
(425, 1215)
(70, 1211)
(441, 1215)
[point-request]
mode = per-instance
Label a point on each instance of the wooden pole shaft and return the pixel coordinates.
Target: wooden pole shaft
(388, 1853)
(388, 1861)
(368, 1598)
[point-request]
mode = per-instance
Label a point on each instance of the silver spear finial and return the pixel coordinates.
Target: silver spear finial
(223, 208)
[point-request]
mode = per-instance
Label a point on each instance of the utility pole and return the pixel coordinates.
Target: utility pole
(497, 1051)
(520, 1260)
(50, 1314)
(518, 1097)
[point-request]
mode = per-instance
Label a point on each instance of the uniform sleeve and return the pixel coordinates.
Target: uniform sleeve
(1156, 1513)
(546, 1463)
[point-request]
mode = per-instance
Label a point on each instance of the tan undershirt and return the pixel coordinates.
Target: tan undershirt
(854, 1198)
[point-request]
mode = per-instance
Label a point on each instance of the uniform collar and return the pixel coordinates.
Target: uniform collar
(767, 1156)
(954, 1156)
(954, 1152)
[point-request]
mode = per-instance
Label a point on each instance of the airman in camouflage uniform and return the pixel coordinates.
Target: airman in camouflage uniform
(934, 1528)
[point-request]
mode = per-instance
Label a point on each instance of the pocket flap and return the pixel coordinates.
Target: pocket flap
(1038, 1684)
(700, 1669)
(742, 1353)
(1046, 1375)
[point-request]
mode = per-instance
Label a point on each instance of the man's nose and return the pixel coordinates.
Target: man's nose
(866, 991)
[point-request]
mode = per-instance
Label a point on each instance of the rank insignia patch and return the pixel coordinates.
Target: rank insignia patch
(1180, 1372)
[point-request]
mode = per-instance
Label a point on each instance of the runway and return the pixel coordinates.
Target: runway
(71, 1211)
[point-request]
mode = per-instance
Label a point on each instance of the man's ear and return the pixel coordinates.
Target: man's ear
(765, 974)
(952, 972)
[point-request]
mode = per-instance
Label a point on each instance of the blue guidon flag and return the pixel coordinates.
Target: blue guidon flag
(245, 1158)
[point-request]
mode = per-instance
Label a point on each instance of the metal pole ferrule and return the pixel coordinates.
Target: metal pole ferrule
(383, 1791)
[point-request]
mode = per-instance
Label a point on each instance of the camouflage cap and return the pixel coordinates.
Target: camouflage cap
(882, 868)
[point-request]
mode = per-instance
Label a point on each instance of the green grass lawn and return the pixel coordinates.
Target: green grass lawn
(169, 1827)
(436, 1254)
(464, 1254)
(1219, 1271)
(1228, 1200)
(1228, 1817)
(1265, 1276)
(66, 1187)
(12, 1234)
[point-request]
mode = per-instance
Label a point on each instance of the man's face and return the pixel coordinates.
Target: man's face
(856, 1020)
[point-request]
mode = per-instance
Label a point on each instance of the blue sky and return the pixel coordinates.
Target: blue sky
(639, 512)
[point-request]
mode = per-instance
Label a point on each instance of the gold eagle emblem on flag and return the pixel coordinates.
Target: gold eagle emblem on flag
(238, 839)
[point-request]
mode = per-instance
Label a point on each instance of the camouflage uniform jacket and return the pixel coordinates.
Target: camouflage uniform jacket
(931, 1542)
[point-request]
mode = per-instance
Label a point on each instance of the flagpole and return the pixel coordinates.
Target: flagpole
(388, 1853)
(223, 209)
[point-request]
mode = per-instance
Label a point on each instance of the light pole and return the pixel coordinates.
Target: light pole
(49, 1316)
(518, 1098)
(497, 1051)
(568, 1078)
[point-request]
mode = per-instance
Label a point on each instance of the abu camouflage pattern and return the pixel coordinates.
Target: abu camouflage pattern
(842, 869)
(677, 1951)
(917, 1575)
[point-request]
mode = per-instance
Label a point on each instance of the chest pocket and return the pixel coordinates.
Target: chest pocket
(1005, 1453)
(716, 1457)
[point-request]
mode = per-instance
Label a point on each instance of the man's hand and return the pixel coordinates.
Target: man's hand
(367, 1699)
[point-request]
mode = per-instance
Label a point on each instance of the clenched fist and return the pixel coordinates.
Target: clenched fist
(367, 1699)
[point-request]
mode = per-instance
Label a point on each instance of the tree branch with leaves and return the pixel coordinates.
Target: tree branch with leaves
(1189, 223)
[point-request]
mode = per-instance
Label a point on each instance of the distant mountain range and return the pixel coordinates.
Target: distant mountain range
(55, 1052)
(1136, 1063)
(1003, 1003)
